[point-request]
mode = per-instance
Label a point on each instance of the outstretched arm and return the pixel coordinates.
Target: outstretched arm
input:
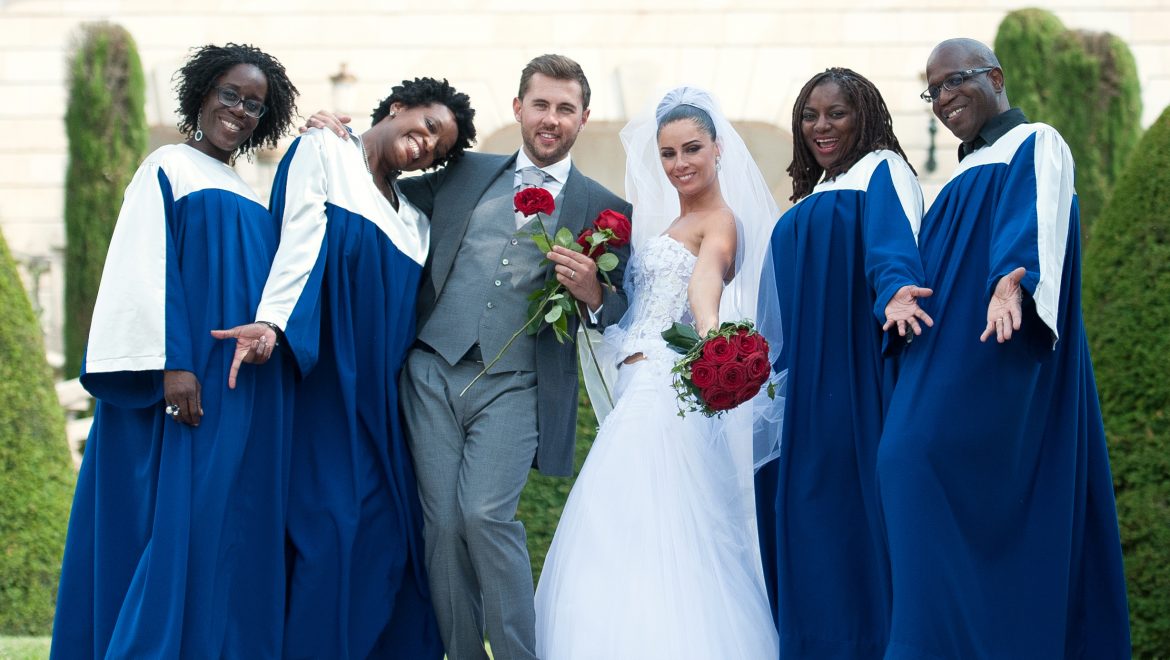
(713, 267)
(903, 310)
(1004, 313)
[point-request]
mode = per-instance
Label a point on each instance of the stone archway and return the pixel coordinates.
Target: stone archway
(598, 152)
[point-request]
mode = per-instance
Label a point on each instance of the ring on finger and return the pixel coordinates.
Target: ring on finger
(172, 409)
(572, 274)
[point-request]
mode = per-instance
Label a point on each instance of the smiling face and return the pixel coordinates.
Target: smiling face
(828, 124)
(224, 128)
(965, 109)
(416, 137)
(551, 114)
(688, 154)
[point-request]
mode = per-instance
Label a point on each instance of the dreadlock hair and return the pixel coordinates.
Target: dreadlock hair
(873, 126)
(428, 91)
(204, 68)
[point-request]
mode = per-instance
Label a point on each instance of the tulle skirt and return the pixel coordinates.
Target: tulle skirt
(656, 554)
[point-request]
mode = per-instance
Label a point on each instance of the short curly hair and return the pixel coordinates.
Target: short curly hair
(208, 63)
(426, 91)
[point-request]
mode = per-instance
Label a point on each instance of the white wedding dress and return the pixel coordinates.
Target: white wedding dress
(656, 554)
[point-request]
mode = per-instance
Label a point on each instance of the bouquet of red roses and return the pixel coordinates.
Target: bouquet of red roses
(551, 304)
(720, 371)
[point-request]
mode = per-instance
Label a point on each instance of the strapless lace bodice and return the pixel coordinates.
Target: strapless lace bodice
(656, 285)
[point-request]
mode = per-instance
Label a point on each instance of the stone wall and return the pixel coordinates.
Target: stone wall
(754, 54)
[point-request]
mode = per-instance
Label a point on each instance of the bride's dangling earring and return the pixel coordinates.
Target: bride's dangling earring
(718, 163)
(198, 128)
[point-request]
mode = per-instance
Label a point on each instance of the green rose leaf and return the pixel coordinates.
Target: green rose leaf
(607, 262)
(564, 238)
(542, 243)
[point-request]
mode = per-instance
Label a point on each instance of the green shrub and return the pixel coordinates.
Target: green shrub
(36, 473)
(1085, 84)
(106, 125)
(544, 497)
(1127, 314)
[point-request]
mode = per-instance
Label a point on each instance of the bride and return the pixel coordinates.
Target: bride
(656, 554)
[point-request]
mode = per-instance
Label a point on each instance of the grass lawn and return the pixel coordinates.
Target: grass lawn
(24, 648)
(37, 648)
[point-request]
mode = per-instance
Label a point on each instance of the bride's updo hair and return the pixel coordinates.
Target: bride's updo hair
(668, 113)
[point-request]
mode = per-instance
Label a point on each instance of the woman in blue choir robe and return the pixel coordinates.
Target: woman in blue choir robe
(845, 266)
(176, 540)
(342, 293)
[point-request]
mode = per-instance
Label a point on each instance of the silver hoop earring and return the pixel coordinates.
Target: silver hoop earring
(198, 129)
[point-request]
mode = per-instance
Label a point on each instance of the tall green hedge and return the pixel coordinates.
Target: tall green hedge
(1127, 314)
(1085, 84)
(106, 125)
(544, 497)
(36, 474)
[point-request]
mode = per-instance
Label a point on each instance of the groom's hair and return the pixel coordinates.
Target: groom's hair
(557, 67)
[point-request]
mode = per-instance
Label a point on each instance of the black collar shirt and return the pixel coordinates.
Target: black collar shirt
(993, 129)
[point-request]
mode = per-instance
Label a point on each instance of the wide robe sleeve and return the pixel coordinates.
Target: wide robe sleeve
(893, 214)
(140, 319)
(1031, 221)
(292, 294)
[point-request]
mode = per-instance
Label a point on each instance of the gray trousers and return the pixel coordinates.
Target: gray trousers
(471, 456)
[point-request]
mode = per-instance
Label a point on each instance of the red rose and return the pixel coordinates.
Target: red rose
(747, 343)
(719, 399)
(747, 393)
(758, 368)
(617, 223)
(531, 201)
(732, 376)
(590, 251)
(718, 350)
(703, 375)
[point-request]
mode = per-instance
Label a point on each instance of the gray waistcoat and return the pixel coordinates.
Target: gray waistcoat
(485, 297)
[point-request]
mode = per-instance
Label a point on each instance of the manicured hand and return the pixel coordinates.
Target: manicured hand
(1004, 313)
(254, 344)
(329, 121)
(578, 274)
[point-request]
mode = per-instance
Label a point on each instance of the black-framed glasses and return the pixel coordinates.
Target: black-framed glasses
(951, 83)
(230, 98)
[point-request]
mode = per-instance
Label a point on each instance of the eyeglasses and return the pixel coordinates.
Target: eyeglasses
(951, 83)
(230, 98)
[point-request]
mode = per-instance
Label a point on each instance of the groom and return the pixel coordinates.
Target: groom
(472, 453)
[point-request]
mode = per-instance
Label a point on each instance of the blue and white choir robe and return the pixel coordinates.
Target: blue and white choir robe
(343, 288)
(837, 257)
(176, 539)
(993, 470)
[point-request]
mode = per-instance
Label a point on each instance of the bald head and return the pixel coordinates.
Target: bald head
(970, 86)
(974, 54)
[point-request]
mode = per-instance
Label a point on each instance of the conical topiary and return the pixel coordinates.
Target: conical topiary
(106, 125)
(36, 473)
(1085, 84)
(1127, 315)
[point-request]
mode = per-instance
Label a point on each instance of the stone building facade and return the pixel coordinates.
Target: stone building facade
(753, 54)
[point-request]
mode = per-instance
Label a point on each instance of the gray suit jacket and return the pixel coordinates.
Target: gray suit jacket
(448, 197)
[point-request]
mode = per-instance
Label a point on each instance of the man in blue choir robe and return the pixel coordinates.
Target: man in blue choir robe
(993, 471)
